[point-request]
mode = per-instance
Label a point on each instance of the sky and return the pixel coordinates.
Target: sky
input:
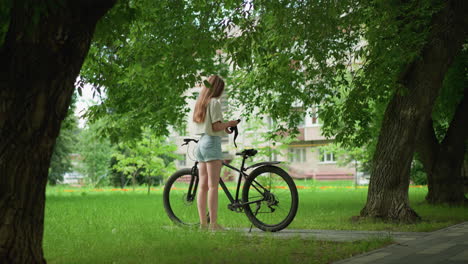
(83, 102)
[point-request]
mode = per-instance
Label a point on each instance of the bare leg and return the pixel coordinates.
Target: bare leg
(214, 169)
(202, 193)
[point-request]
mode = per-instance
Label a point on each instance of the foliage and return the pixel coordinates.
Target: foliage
(288, 56)
(269, 144)
(116, 178)
(344, 55)
(452, 92)
(151, 157)
(5, 6)
(262, 137)
(350, 155)
(95, 154)
(146, 62)
(64, 146)
(418, 175)
(393, 36)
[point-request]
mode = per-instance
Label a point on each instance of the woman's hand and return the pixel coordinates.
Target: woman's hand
(218, 126)
(232, 123)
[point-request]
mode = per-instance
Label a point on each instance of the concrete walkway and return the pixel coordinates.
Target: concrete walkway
(445, 246)
(337, 235)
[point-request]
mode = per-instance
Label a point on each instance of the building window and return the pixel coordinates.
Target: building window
(327, 157)
(297, 155)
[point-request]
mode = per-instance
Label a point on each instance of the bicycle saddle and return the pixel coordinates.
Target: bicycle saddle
(247, 152)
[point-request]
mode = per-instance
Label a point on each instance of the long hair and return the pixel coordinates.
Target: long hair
(214, 91)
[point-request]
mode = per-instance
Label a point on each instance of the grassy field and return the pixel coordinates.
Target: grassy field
(84, 225)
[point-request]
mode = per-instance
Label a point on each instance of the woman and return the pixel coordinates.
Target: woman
(208, 119)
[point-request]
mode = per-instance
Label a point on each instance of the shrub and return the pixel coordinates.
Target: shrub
(417, 174)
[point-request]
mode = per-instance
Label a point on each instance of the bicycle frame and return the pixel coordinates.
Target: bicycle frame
(235, 204)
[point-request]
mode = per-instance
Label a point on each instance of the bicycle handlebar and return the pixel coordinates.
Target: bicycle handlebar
(188, 140)
(236, 132)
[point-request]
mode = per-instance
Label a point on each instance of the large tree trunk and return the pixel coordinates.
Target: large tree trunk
(465, 174)
(443, 163)
(408, 111)
(40, 60)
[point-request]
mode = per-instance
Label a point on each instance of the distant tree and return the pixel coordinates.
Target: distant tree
(65, 145)
(95, 154)
(117, 178)
(347, 156)
(145, 157)
(268, 142)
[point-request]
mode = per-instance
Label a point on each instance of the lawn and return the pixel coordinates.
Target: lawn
(84, 225)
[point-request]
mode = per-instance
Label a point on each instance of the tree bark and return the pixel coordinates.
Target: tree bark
(40, 60)
(408, 111)
(443, 162)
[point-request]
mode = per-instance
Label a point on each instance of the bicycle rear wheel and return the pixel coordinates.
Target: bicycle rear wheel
(179, 198)
(270, 198)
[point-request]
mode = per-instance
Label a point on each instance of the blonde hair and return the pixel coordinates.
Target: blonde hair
(214, 91)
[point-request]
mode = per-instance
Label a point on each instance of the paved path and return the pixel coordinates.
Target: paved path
(445, 246)
(337, 235)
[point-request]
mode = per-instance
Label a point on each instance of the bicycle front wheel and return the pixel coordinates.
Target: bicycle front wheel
(179, 198)
(270, 198)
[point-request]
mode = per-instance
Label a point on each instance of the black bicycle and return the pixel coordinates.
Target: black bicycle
(269, 194)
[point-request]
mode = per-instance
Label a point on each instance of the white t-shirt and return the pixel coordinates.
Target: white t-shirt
(213, 115)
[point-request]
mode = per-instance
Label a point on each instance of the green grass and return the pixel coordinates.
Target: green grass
(88, 226)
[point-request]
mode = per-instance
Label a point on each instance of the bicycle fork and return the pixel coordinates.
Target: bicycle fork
(192, 190)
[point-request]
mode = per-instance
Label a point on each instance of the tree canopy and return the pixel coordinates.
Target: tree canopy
(148, 60)
(278, 56)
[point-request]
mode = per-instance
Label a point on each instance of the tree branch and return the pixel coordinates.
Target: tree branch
(448, 33)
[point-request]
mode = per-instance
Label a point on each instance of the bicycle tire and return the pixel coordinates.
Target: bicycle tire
(283, 177)
(173, 206)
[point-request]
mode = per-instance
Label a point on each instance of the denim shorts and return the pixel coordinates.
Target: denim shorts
(209, 148)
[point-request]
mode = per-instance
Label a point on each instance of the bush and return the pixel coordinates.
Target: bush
(417, 174)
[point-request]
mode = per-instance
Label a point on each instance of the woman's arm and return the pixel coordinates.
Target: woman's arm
(219, 126)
